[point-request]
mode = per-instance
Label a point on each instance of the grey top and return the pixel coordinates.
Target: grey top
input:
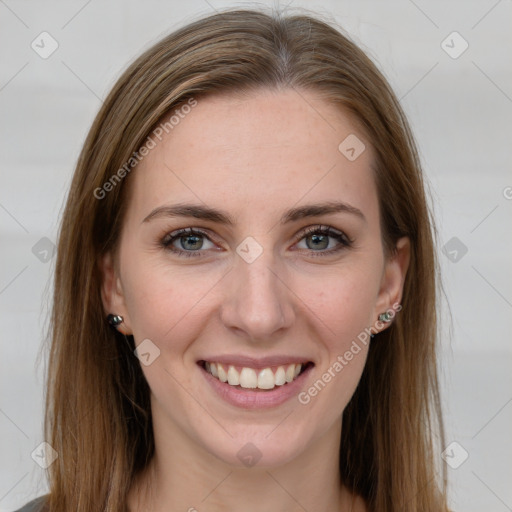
(34, 505)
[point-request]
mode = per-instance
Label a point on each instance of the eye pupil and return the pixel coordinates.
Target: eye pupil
(318, 238)
(197, 241)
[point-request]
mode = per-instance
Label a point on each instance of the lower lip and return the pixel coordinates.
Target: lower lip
(251, 399)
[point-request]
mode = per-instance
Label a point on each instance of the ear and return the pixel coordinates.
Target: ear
(393, 278)
(112, 292)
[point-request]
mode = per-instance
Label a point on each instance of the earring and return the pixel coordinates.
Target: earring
(385, 317)
(114, 320)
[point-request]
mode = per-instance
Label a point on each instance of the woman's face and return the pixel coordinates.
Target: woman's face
(256, 285)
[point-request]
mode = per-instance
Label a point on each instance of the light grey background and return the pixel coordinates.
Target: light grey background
(461, 112)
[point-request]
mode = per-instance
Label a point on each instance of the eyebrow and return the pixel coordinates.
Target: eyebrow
(222, 217)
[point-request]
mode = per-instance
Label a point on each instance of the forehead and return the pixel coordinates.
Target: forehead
(261, 152)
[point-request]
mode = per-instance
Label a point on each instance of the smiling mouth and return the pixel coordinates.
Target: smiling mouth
(264, 379)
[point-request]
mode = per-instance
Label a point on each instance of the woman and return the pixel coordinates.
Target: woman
(245, 288)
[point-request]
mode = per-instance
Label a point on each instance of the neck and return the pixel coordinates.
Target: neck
(183, 476)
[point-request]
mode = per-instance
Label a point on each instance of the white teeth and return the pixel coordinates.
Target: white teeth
(233, 376)
(250, 379)
(266, 379)
(280, 377)
(222, 373)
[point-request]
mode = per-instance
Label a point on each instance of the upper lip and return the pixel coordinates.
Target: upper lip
(253, 362)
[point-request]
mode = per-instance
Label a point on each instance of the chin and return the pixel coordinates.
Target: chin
(264, 448)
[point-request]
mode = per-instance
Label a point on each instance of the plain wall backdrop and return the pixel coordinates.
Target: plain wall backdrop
(448, 62)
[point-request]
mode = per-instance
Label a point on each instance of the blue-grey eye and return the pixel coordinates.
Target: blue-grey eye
(189, 240)
(318, 239)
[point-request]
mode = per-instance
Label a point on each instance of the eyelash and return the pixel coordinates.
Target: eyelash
(344, 240)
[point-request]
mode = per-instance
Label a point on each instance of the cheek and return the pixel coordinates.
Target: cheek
(341, 310)
(343, 301)
(163, 299)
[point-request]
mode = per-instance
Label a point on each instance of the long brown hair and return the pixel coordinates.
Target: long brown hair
(98, 415)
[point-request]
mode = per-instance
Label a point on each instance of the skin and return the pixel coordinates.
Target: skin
(254, 156)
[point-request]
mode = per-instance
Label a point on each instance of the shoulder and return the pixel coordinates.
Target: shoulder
(36, 505)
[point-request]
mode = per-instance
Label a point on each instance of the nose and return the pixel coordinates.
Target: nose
(257, 303)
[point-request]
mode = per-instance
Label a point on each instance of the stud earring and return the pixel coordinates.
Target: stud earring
(114, 320)
(385, 317)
